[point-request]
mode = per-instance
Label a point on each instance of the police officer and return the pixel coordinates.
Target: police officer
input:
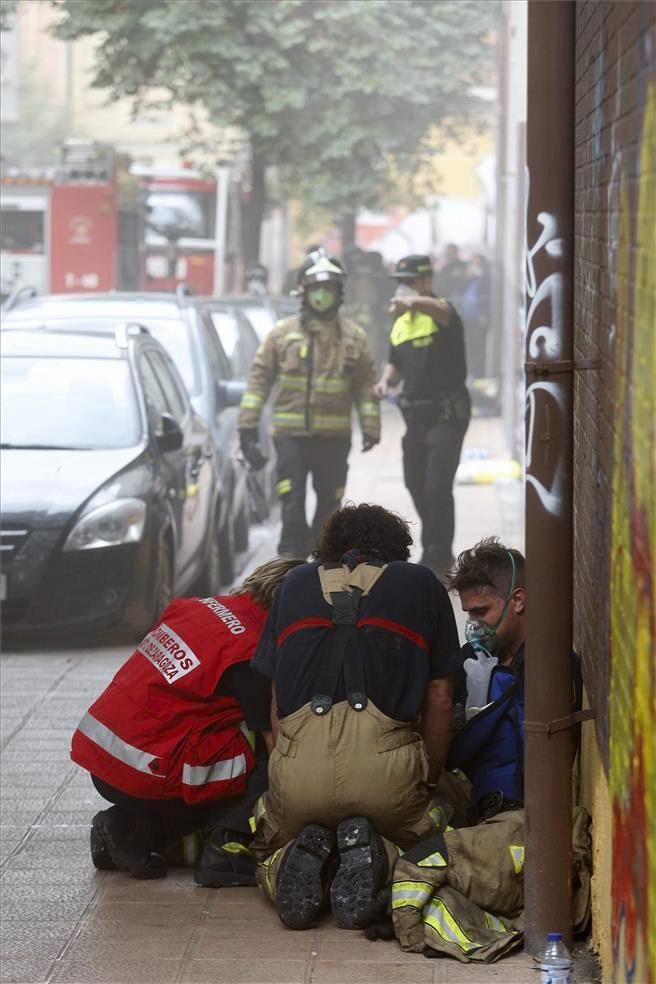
(427, 352)
(321, 366)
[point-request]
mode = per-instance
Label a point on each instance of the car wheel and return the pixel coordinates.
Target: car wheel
(209, 581)
(242, 524)
(138, 622)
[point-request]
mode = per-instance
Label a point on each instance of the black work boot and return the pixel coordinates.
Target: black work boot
(302, 881)
(127, 846)
(100, 857)
(356, 894)
(226, 860)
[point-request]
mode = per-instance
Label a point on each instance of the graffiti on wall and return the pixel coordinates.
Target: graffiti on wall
(545, 400)
(632, 776)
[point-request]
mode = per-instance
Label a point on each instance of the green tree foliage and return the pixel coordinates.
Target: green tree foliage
(326, 90)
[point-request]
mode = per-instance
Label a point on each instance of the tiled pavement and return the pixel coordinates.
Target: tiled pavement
(62, 921)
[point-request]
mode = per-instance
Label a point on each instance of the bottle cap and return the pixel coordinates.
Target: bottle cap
(554, 937)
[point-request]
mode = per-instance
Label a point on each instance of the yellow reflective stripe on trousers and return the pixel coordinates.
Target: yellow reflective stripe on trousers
(258, 812)
(437, 916)
(266, 864)
(434, 860)
(517, 855)
(284, 486)
(438, 817)
(251, 401)
(369, 409)
(411, 893)
(495, 923)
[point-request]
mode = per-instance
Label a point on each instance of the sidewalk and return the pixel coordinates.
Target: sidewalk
(64, 922)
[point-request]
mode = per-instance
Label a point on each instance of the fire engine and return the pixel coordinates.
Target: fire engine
(96, 222)
(74, 227)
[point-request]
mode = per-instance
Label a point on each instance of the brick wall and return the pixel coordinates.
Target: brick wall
(614, 441)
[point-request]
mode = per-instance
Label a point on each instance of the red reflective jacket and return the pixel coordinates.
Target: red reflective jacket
(159, 731)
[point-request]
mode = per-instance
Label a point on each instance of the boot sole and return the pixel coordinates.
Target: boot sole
(358, 880)
(120, 858)
(299, 885)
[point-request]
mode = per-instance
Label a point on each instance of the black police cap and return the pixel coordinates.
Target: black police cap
(415, 265)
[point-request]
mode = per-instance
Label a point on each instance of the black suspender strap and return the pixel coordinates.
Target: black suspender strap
(341, 654)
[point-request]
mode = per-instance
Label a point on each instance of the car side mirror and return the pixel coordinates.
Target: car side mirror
(170, 436)
(229, 393)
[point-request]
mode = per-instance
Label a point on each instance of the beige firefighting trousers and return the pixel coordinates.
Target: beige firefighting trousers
(346, 763)
(467, 900)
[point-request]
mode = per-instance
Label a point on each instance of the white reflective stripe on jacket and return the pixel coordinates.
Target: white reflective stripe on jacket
(201, 775)
(99, 733)
(136, 758)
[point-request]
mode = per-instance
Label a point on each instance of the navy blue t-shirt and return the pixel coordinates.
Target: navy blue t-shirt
(406, 635)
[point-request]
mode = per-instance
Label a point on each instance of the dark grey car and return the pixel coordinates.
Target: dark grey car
(192, 342)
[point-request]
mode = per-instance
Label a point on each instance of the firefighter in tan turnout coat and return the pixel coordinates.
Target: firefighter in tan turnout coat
(321, 367)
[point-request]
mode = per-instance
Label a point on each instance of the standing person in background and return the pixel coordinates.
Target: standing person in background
(452, 275)
(321, 366)
(427, 352)
(474, 308)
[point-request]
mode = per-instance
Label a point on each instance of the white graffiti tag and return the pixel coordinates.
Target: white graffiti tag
(545, 403)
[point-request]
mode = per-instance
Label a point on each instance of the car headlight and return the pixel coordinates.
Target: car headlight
(117, 522)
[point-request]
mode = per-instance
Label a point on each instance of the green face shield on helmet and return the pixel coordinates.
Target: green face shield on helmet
(321, 297)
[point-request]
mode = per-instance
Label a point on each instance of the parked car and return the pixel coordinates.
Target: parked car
(189, 337)
(108, 495)
(240, 343)
(263, 312)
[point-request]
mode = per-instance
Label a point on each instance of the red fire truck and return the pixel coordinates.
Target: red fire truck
(179, 233)
(75, 227)
(96, 222)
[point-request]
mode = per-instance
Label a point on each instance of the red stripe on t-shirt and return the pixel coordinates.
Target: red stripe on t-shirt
(304, 623)
(386, 623)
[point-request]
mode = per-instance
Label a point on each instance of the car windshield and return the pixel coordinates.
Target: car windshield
(68, 403)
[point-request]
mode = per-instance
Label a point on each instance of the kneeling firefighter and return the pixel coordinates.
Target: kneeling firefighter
(359, 645)
(179, 740)
(321, 366)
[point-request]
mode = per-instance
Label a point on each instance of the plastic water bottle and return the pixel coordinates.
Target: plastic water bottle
(555, 962)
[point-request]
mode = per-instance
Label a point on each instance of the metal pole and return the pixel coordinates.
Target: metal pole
(220, 228)
(549, 384)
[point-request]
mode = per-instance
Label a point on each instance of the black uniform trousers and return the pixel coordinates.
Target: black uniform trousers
(325, 459)
(164, 821)
(431, 453)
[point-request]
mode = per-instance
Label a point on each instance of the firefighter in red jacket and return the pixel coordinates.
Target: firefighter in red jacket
(179, 740)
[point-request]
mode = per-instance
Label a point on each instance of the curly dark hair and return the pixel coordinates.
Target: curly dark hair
(372, 529)
(487, 565)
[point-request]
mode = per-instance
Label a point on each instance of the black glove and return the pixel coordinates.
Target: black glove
(251, 450)
(369, 442)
